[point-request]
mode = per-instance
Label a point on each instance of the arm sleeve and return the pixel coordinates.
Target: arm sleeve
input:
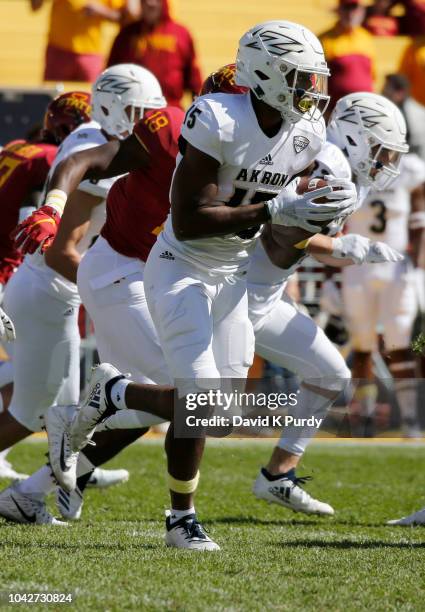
(201, 129)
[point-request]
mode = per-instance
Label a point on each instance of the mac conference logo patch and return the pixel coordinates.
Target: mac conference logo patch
(300, 143)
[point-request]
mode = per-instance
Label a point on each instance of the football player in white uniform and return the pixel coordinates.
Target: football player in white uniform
(292, 340)
(384, 295)
(195, 274)
(239, 152)
(46, 356)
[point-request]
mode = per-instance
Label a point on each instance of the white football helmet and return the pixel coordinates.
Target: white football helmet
(283, 63)
(371, 132)
(120, 96)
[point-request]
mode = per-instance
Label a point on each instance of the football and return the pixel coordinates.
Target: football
(310, 184)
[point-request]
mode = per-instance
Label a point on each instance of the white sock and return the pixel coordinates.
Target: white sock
(38, 484)
(84, 465)
(406, 393)
(118, 393)
(3, 454)
(129, 419)
(176, 515)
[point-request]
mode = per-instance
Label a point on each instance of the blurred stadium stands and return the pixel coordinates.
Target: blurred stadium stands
(216, 27)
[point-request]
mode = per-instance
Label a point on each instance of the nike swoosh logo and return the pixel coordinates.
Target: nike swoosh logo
(31, 518)
(64, 467)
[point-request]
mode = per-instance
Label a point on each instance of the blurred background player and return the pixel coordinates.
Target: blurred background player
(397, 89)
(23, 170)
(383, 295)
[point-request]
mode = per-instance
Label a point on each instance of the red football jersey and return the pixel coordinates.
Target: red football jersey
(23, 169)
(138, 203)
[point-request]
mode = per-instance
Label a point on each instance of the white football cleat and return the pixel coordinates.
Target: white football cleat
(63, 459)
(7, 471)
(101, 479)
(417, 518)
(286, 492)
(69, 504)
(188, 533)
(96, 407)
(21, 508)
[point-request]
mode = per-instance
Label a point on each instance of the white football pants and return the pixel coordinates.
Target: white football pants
(290, 339)
(202, 322)
(46, 357)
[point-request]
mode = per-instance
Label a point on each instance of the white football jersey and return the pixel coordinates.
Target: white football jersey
(85, 136)
(253, 168)
(384, 215)
(266, 282)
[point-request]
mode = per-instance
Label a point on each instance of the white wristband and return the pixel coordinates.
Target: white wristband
(56, 199)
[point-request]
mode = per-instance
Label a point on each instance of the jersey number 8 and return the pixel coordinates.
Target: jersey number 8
(156, 121)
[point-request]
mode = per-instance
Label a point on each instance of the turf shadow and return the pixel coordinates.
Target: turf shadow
(252, 520)
(347, 544)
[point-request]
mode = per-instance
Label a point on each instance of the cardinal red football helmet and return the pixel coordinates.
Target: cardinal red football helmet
(222, 81)
(65, 113)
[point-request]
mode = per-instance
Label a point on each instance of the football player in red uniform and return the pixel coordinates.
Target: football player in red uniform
(24, 167)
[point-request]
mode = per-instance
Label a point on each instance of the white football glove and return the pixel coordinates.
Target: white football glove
(292, 209)
(362, 250)
(7, 329)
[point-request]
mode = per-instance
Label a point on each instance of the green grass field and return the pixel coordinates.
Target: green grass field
(271, 559)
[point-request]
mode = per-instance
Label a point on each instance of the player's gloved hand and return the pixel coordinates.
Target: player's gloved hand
(302, 210)
(361, 250)
(36, 229)
(380, 252)
(7, 329)
(343, 191)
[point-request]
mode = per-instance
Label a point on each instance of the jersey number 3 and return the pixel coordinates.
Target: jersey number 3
(380, 223)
